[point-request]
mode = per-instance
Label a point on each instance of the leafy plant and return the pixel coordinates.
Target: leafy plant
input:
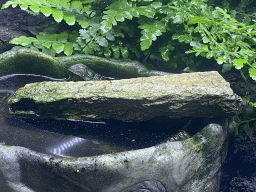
(245, 121)
(113, 30)
(159, 30)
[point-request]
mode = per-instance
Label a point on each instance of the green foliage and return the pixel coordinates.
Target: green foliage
(244, 121)
(152, 28)
(157, 30)
(231, 43)
(62, 42)
(71, 12)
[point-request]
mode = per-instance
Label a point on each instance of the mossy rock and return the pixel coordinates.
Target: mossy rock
(30, 61)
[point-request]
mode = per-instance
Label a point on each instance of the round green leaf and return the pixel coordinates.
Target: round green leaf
(209, 55)
(124, 52)
(70, 20)
(7, 4)
(34, 8)
(57, 15)
(239, 63)
(77, 5)
(22, 40)
(24, 6)
(182, 38)
(37, 43)
(107, 53)
(220, 60)
(252, 73)
(68, 49)
(47, 44)
(102, 41)
(58, 47)
(165, 52)
(145, 44)
(84, 24)
(116, 52)
(47, 11)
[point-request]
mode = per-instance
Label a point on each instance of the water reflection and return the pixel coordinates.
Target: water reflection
(17, 132)
(77, 138)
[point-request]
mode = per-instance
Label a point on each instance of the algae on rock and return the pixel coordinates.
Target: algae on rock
(202, 94)
(27, 60)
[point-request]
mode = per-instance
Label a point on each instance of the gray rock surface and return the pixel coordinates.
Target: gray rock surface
(203, 94)
(181, 166)
(81, 72)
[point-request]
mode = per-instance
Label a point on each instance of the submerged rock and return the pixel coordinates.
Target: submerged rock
(203, 94)
(190, 165)
(81, 72)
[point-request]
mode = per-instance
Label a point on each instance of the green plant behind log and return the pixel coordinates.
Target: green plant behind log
(128, 27)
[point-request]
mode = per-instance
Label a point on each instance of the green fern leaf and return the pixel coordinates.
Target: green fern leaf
(124, 52)
(205, 39)
(221, 60)
(243, 44)
(47, 11)
(37, 43)
(50, 51)
(68, 49)
(246, 127)
(22, 40)
(107, 53)
(57, 15)
(101, 41)
(88, 51)
(150, 32)
(24, 6)
(118, 11)
(209, 55)
(70, 20)
(34, 8)
(47, 44)
(58, 47)
(146, 42)
(146, 11)
(83, 23)
(252, 73)
(116, 52)
(136, 52)
(76, 5)
(253, 105)
(60, 9)
(239, 63)
(7, 4)
(46, 37)
(165, 52)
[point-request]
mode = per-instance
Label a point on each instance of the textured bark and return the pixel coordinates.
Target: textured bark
(202, 94)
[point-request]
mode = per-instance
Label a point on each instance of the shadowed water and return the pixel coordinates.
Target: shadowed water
(77, 138)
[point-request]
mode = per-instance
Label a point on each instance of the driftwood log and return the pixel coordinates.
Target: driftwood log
(202, 94)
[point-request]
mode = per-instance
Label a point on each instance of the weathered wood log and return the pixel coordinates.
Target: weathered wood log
(202, 94)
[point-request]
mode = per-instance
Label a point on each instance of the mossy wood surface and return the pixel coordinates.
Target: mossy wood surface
(202, 94)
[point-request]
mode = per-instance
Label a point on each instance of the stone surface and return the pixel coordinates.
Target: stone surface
(203, 94)
(189, 165)
(181, 166)
(81, 72)
(29, 61)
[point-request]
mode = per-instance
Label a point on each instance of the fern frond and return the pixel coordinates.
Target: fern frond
(121, 10)
(62, 42)
(70, 12)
